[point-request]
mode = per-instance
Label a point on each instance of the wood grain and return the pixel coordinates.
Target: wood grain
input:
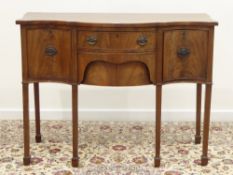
(117, 41)
(192, 67)
(125, 74)
(117, 19)
(44, 67)
(142, 65)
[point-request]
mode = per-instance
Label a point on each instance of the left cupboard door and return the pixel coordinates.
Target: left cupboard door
(49, 54)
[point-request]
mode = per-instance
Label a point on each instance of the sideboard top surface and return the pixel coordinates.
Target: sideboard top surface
(115, 19)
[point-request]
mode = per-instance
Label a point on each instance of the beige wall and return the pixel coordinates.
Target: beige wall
(178, 99)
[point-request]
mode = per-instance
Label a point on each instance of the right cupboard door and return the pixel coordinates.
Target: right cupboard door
(185, 55)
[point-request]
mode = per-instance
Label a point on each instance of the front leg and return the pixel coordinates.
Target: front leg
(204, 157)
(37, 112)
(75, 159)
(158, 125)
(198, 114)
(26, 125)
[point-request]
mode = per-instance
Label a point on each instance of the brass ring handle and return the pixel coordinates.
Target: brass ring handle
(51, 51)
(91, 40)
(142, 40)
(183, 52)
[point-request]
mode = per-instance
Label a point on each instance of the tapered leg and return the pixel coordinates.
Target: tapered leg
(75, 159)
(204, 157)
(26, 126)
(158, 125)
(198, 114)
(37, 112)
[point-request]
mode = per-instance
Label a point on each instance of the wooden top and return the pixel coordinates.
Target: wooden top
(116, 19)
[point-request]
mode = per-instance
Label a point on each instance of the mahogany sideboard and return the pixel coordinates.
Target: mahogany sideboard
(117, 50)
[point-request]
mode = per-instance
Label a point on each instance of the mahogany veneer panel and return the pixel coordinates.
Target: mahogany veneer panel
(137, 64)
(45, 67)
(191, 67)
(117, 41)
(130, 74)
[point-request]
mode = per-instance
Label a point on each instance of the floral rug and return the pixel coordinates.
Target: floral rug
(115, 148)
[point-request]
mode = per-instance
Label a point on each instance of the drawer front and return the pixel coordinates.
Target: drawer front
(185, 55)
(49, 54)
(116, 69)
(122, 41)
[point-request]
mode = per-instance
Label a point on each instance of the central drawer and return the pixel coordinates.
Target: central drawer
(138, 41)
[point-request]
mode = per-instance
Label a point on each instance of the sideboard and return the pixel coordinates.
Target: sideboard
(109, 49)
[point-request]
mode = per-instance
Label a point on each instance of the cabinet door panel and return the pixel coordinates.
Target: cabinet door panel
(49, 54)
(185, 55)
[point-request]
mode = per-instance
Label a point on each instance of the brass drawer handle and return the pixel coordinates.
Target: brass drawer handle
(91, 40)
(51, 51)
(142, 41)
(183, 52)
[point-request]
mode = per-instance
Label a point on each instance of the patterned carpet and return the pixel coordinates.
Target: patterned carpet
(116, 148)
